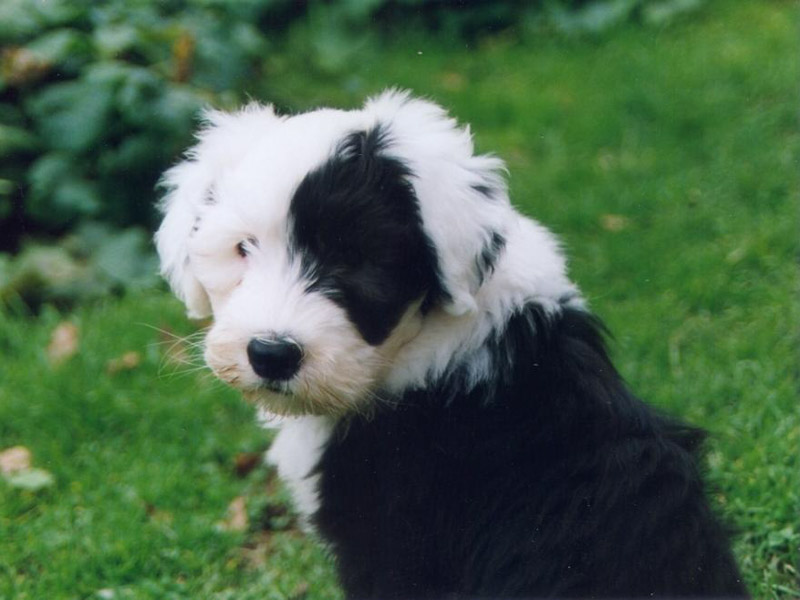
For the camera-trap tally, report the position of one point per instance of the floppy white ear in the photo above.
(462, 197)
(184, 184)
(222, 140)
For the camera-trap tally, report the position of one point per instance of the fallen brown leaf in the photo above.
(64, 343)
(16, 467)
(236, 518)
(162, 517)
(453, 81)
(14, 460)
(126, 362)
(300, 591)
(20, 66)
(256, 549)
(183, 51)
(245, 462)
(614, 223)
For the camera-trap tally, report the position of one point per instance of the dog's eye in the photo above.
(243, 247)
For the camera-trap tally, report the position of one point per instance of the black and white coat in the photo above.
(452, 424)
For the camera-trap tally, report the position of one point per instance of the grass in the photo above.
(144, 463)
(665, 159)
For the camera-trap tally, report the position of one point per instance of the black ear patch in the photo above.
(355, 225)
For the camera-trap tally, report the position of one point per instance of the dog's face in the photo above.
(320, 242)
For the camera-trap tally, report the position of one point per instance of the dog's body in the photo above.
(455, 425)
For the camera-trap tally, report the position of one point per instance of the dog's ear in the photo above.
(462, 196)
(185, 183)
(189, 186)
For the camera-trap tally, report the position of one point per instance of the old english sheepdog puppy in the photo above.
(452, 424)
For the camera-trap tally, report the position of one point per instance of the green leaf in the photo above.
(17, 20)
(49, 273)
(137, 95)
(125, 259)
(62, 46)
(48, 172)
(225, 53)
(333, 46)
(58, 193)
(360, 10)
(662, 13)
(76, 197)
(596, 17)
(73, 116)
(15, 140)
(11, 114)
(5, 271)
(177, 109)
(112, 40)
(23, 18)
(108, 73)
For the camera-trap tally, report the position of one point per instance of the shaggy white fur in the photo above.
(224, 249)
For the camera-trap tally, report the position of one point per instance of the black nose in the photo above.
(274, 358)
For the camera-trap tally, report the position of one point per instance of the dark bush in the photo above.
(97, 98)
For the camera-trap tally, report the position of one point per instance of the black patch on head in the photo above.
(487, 259)
(356, 227)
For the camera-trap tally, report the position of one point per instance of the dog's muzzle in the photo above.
(273, 358)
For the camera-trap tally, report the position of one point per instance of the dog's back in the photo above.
(550, 481)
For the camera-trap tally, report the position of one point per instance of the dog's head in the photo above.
(321, 242)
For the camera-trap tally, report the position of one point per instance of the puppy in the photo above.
(453, 424)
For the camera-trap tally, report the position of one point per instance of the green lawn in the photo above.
(665, 159)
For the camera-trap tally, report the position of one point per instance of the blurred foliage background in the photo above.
(658, 138)
(98, 98)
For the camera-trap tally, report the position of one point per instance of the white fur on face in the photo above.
(265, 293)
(236, 188)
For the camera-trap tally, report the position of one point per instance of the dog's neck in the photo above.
(531, 269)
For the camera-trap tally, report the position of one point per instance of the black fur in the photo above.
(550, 480)
(487, 259)
(355, 225)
